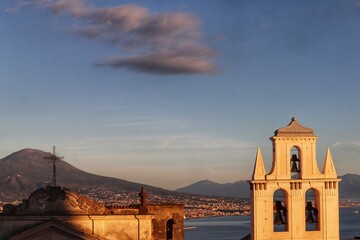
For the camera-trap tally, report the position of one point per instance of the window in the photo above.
(295, 166)
(312, 210)
(280, 215)
(169, 229)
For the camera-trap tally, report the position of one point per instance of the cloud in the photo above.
(151, 123)
(19, 6)
(165, 63)
(175, 142)
(157, 43)
(352, 146)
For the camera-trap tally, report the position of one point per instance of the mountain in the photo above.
(206, 187)
(349, 188)
(24, 171)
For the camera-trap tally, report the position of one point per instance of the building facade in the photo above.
(57, 213)
(295, 200)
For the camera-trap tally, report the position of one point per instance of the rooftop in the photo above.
(294, 129)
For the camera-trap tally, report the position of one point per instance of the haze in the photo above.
(172, 92)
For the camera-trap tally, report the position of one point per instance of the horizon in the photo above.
(199, 181)
(172, 93)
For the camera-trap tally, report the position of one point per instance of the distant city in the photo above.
(196, 206)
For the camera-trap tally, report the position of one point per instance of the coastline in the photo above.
(216, 216)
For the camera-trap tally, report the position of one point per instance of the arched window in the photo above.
(169, 229)
(295, 167)
(280, 215)
(312, 210)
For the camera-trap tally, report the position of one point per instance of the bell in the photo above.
(294, 164)
(280, 213)
(277, 219)
(311, 213)
(310, 218)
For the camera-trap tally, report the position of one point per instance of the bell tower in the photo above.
(295, 200)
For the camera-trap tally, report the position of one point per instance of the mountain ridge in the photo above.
(26, 170)
(210, 188)
(349, 188)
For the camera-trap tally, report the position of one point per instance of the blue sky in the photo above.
(172, 92)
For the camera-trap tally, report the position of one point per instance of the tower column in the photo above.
(296, 213)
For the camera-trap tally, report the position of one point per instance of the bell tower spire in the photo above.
(259, 169)
(329, 169)
(294, 200)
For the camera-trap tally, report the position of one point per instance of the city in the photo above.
(196, 206)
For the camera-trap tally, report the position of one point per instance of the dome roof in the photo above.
(294, 129)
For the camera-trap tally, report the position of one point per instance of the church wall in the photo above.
(115, 227)
(163, 213)
(111, 227)
(13, 224)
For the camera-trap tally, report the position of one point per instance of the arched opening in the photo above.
(169, 229)
(280, 215)
(295, 166)
(312, 210)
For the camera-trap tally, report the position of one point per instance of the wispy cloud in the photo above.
(151, 123)
(157, 43)
(18, 6)
(175, 142)
(353, 146)
(166, 62)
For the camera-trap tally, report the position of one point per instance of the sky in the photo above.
(168, 93)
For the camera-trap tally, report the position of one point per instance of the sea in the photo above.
(236, 227)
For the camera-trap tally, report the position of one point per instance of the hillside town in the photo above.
(196, 206)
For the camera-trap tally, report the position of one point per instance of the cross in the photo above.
(53, 159)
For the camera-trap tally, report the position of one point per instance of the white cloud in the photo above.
(175, 142)
(353, 146)
(19, 6)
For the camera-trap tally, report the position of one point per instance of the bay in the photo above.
(236, 227)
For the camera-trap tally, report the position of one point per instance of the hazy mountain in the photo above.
(26, 170)
(349, 188)
(206, 187)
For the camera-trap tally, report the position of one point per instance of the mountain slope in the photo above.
(206, 187)
(26, 170)
(349, 187)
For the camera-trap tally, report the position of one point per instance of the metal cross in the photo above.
(53, 159)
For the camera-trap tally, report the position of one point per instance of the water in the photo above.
(349, 223)
(234, 228)
(218, 228)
